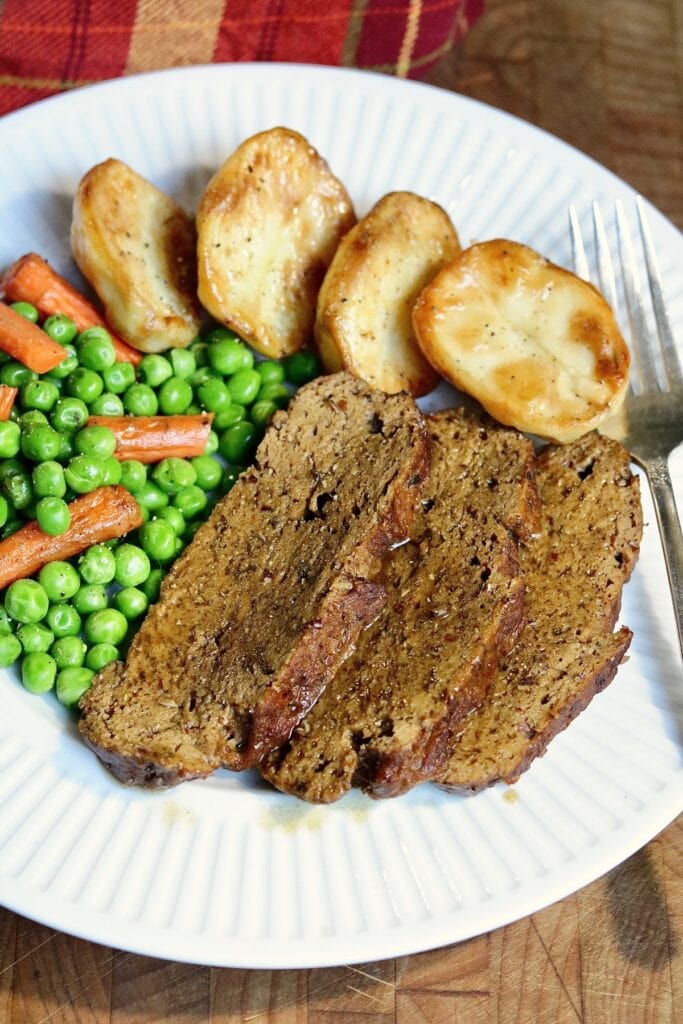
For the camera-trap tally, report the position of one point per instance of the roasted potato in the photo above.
(363, 321)
(536, 345)
(268, 225)
(136, 247)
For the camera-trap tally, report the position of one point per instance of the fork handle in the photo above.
(670, 530)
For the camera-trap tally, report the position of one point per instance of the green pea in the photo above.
(270, 372)
(69, 414)
(175, 394)
(66, 447)
(35, 637)
(213, 394)
(97, 565)
(100, 655)
(53, 516)
(39, 394)
(60, 328)
(244, 386)
(32, 418)
(4, 510)
(111, 471)
(97, 441)
(18, 490)
(200, 350)
(302, 367)
(118, 377)
(230, 477)
(152, 585)
(158, 539)
(107, 404)
(207, 470)
(96, 349)
(218, 332)
(202, 374)
(171, 475)
(133, 475)
(227, 417)
(183, 362)
(192, 529)
(85, 384)
(151, 497)
(131, 602)
(140, 400)
(68, 652)
(27, 310)
(8, 468)
(10, 527)
(154, 370)
(106, 627)
(91, 597)
(59, 580)
(10, 649)
(261, 412)
(48, 480)
(132, 564)
(191, 501)
(67, 366)
(40, 443)
(211, 443)
(226, 354)
(277, 393)
(72, 683)
(15, 374)
(175, 517)
(193, 409)
(26, 601)
(84, 473)
(38, 672)
(63, 620)
(10, 439)
(238, 443)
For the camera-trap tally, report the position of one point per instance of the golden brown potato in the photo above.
(363, 322)
(136, 247)
(269, 223)
(536, 345)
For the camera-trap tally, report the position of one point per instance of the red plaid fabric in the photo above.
(47, 46)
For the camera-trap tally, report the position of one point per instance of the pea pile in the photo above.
(77, 615)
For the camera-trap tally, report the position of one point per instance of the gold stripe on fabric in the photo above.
(409, 38)
(173, 43)
(352, 38)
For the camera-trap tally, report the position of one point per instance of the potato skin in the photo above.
(536, 345)
(136, 248)
(268, 225)
(363, 320)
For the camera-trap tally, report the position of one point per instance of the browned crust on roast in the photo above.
(350, 601)
(596, 681)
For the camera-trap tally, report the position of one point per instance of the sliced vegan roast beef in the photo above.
(575, 571)
(258, 613)
(455, 605)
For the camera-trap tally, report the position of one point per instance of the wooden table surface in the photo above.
(606, 76)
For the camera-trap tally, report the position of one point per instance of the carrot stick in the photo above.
(33, 280)
(24, 341)
(7, 396)
(95, 517)
(152, 438)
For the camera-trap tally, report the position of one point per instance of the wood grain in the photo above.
(607, 78)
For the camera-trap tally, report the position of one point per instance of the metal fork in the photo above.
(651, 422)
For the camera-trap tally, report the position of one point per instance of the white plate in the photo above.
(225, 871)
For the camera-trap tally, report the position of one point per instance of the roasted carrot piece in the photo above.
(7, 396)
(101, 515)
(25, 342)
(152, 438)
(32, 279)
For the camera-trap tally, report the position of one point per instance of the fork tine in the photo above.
(644, 357)
(578, 251)
(671, 361)
(608, 285)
